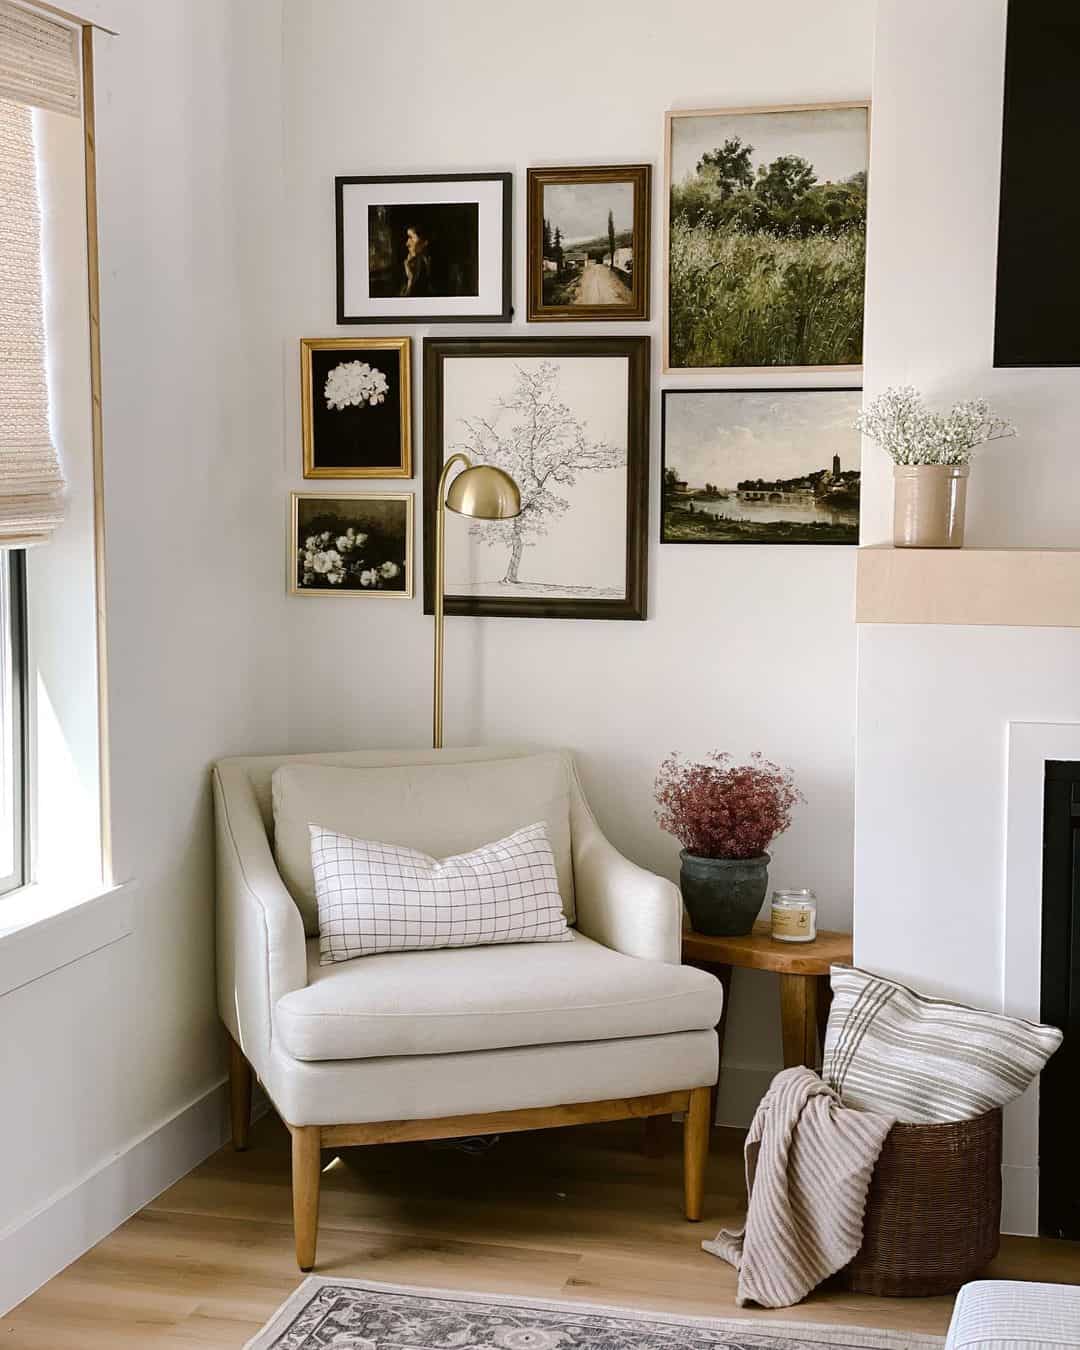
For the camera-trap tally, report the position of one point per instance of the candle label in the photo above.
(791, 922)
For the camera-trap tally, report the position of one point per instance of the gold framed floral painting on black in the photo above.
(355, 407)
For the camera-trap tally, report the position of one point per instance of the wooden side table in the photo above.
(803, 968)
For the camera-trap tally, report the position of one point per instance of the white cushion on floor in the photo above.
(1015, 1315)
(483, 998)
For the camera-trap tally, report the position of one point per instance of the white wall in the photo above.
(934, 703)
(744, 648)
(100, 1056)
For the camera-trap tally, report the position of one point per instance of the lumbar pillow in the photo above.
(443, 808)
(923, 1060)
(385, 898)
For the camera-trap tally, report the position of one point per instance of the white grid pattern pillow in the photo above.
(384, 898)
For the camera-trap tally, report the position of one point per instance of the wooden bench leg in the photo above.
(696, 1150)
(306, 1174)
(240, 1077)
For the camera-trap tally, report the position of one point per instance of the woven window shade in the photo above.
(39, 60)
(31, 484)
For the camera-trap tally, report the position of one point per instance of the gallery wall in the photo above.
(745, 648)
(112, 1063)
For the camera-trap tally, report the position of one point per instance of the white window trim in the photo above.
(42, 930)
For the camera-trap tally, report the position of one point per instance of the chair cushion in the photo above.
(1015, 1315)
(483, 998)
(377, 897)
(440, 809)
(923, 1060)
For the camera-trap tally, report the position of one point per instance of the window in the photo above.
(13, 761)
(51, 721)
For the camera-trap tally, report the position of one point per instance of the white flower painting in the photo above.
(358, 544)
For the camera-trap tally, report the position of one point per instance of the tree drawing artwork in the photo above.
(536, 438)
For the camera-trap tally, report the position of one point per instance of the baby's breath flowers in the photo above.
(911, 433)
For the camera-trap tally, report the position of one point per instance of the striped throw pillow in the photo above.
(923, 1060)
(383, 898)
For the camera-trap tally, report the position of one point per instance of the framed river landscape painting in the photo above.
(766, 237)
(760, 466)
(567, 419)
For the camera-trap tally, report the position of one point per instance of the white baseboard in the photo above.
(1020, 1200)
(37, 1247)
(741, 1088)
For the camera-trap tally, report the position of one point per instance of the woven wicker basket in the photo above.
(933, 1215)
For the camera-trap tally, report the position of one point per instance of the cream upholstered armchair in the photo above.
(436, 1044)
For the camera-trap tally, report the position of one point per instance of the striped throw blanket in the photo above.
(809, 1160)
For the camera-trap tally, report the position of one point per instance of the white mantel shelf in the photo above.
(1024, 588)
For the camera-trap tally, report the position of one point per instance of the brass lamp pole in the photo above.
(485, 493)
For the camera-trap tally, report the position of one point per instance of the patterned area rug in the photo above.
(328, 1314)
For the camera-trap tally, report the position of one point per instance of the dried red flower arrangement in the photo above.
(717, 809)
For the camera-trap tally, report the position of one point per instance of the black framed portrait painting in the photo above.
(354, 400)
(424, 248)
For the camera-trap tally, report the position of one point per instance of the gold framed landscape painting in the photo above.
(354, 400)
(766, 237)
(588, 242)
(351, 543)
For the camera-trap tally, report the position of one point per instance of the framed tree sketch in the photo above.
(766, 237)
(588, 242)
(351, 543)
(354, 402)
(424, 248)
(567, 418)
(760, 466)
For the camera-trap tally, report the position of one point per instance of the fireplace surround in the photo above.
(1059, 1163)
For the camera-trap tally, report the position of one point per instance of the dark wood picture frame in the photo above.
(506, 310)
(640, 177)
(399, 399)
(767, 392)
(636, 351)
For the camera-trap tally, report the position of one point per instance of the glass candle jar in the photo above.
(794, 916)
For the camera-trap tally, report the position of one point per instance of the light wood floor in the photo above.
(570, 1214)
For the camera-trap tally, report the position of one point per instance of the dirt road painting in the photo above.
(588, 243)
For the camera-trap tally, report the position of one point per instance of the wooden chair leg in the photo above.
(696, 1150)
(240, 1077)
(306, 1174)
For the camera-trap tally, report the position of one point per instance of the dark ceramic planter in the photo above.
(723, 896)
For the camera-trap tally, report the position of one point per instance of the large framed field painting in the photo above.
(766, 237)
(355, 402)
(423, 248)
(568, 419)
(760, 466)
(588, 242)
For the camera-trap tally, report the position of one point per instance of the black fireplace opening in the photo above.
(1059, 1158)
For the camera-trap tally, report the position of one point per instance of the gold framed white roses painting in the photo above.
(351, 543)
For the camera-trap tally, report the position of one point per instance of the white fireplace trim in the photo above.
(1030, 745)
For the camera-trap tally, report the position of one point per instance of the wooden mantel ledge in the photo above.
(1004, 587)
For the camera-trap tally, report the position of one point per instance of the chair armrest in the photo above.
(260, 935)
(625, 907)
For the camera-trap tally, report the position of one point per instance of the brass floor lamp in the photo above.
(485, 493)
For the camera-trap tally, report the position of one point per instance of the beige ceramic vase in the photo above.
(928, 505)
